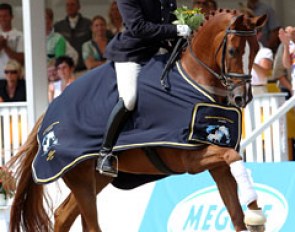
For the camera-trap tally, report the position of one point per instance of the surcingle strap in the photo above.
(157, 161)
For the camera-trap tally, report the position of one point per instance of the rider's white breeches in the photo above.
(127, 75)
(247, 192)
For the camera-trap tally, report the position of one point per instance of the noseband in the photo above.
(225, 77)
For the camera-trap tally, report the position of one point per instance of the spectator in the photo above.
(75, 28)
(65, 71)
(115, 19)
(205, 5)
(93, 50)
(270, 30)
(55, 42)
(13, 88)
(262, 68)
(282, 71)
(11, 40)
(51, 71)
(282, 74)
(287, 37)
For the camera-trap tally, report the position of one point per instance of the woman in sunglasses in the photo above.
(13, 88)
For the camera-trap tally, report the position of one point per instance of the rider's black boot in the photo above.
(107, 163)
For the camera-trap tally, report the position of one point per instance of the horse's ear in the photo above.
(259, 21)
(238, 20)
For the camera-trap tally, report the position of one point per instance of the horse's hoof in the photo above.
(256, 228)
(254, 218)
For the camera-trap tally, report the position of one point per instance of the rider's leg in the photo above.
(127, 74)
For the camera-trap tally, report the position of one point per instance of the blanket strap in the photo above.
(156, 160)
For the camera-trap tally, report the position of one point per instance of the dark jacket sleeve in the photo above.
(148, 19)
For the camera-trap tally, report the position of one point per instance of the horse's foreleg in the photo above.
(82, 182)
(228, 192)
(254, 216)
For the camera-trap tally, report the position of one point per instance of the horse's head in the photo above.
(221, 54)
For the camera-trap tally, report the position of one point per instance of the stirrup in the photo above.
(107, 170)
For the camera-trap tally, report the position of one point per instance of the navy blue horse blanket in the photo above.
(185, 116)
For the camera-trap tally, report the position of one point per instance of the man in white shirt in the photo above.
(11, 40)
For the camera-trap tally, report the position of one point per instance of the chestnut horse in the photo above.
(213, 59)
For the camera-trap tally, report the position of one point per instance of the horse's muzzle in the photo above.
(240, 96)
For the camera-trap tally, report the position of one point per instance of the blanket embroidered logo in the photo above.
(216, 124)
(216, 134)
(49, 141)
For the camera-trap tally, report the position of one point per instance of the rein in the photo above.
(224, 77)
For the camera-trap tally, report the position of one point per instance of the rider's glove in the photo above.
(183, 30)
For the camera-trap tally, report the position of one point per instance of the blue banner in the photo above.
(191, 203)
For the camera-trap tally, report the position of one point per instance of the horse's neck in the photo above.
(200, 74)
(204, 45)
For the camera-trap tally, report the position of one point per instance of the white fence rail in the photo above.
(266, 129)
(13, 128)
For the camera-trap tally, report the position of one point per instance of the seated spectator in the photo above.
(283, 68)
(65, 71)
(282, 74)
(205, 5)
(93, 50)
(75, 28)
(13, 89)
(262, 68)
(55, 42)
(51, 71)
(115, 20)
(287, 38)
(270, 30)
(11, 39)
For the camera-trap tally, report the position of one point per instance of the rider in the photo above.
(147, 26)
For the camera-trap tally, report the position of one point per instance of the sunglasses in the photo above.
(10, 71)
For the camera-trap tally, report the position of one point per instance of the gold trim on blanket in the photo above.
(186, 78)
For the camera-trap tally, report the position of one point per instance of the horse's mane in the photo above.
(225, 12)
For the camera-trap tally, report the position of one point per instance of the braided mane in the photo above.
(218, 12)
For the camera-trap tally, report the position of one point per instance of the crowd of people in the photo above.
(80, 42)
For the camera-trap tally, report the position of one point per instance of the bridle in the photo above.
(224, 77)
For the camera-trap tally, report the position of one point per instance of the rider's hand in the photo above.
(183, 30)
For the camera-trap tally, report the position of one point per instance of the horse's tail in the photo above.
(28, 212)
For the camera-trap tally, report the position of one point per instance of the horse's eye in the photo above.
(232, 51)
